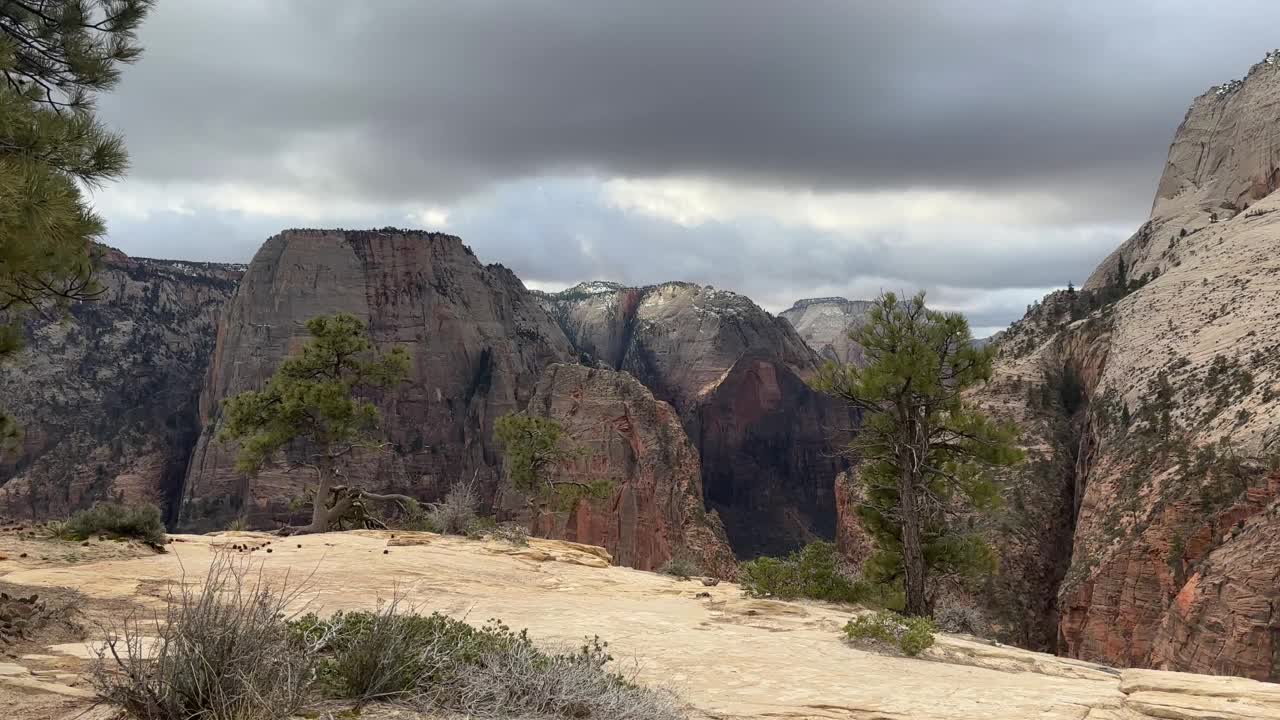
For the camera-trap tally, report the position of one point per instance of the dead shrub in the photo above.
(222, 651)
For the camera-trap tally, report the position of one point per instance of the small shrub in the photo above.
(142, 522)
(683, 564)
(435, 661)
(480, 527)
(814, 572)
(456, 513)
(961, 619)
(885, 629)
(511, 532)
(239, 524)
(223, 652)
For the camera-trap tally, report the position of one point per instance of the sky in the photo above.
(985, 152)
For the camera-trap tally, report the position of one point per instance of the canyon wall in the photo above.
(619, 433)
(736, 376)
(1159, 382)
(476, 338)
(108, 397)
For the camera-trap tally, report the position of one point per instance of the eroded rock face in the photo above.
(735, 375)
(477, 341)
(825, 323)
(1165, 425)
(108, 398)
(636, 443)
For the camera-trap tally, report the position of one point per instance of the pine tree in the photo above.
(313, 409)
(923, 450)
(55, 56)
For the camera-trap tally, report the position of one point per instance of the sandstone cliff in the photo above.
(736, 376)
(825, 324)
(108, 397)
(477, 340)
(635, 442)
(1156, 390)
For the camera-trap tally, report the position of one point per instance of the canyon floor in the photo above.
(727, 656)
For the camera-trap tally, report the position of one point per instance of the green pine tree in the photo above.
(55, 57)
(314, 409)
(924, 451)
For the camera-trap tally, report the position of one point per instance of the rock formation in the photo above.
(724, 655)
(1153, 393)
(478, 341)
(636, 443)
(108, 398)
(825, 324)
(736, 376)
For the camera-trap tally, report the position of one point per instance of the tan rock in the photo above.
(726, 655)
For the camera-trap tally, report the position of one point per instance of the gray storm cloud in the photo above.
(478, 106)
(396, 100)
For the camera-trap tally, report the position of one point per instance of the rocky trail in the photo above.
(726, 655)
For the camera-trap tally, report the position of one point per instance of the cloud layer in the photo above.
(771, 147)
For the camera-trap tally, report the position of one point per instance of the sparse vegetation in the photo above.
(223, 651)
(535, 448)
(682, 564)
(962, 619)
(435, 661)
(228, 649)
(456, 512)
(814, 572)
(887, 630)
(141, 522)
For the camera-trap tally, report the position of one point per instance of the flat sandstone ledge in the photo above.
(725, 654)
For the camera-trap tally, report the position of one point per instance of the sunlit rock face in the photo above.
(736, 376)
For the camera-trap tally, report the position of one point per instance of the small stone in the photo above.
(384, 552)
(22, 555)
(710, 582)
(268, 549)
(299, 544)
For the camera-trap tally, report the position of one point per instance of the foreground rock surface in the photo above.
(726, 655)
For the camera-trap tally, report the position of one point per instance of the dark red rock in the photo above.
(627, 437)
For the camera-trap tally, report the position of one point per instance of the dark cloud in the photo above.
(394, 101)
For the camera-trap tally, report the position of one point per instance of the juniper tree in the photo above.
(55, 57)
(924, 450)
(315, 408)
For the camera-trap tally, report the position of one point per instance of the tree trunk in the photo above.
(320, 512)
(913, 564)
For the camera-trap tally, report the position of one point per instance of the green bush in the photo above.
(813, 572)
(142, 521)
(683, 564)
(910, 635)
(492, 671)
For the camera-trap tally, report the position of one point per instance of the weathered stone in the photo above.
(636, 443)
(736, 376)
(1148, 400)
(825, 324)
(107, 398)
(477, 341)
